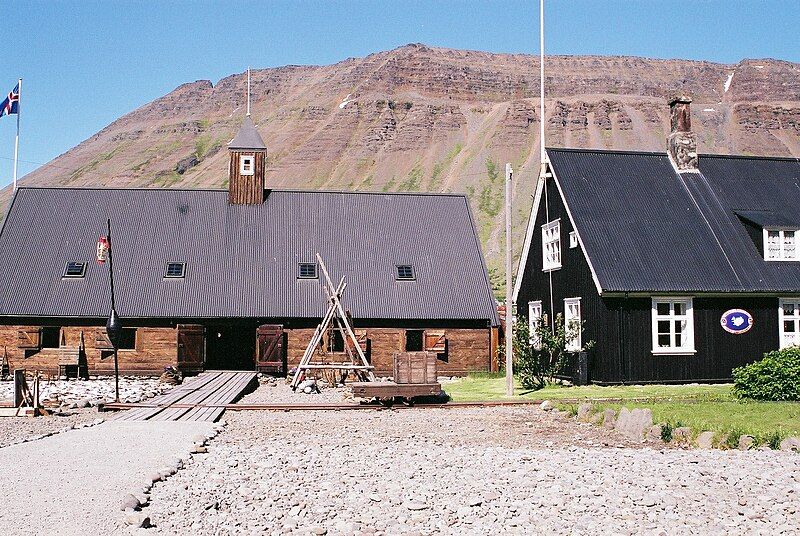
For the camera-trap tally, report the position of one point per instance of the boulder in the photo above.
(791, 444)
(546, 405)
(705, 440)
(137, 520)
(746, 442)
(634, 424)
(609, 418)
(585, 412)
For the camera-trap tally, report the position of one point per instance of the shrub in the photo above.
(537, 363)
(775, 377)
(732, 440)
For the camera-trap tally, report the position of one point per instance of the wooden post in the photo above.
(509, 306)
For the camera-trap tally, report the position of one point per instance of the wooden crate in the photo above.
(415, 368)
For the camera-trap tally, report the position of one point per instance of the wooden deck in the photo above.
(202, 398)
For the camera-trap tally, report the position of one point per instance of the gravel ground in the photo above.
(16, 429)
(73, 483)
(277, 391)
(467, 471)
(84, 393)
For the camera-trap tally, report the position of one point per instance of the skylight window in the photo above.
(175, 270)
(75, 269)
(405, 272)
(307, 270)
(780, 245)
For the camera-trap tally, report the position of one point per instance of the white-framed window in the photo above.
(789, 322)
(572, 323)
(534, 316)
(247, 165)
(781, 245)
(673, 326)
(573, 240)
(551, 245)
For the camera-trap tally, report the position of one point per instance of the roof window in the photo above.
(780, 245)
(175, 270)
(405, 272)
(307, 270)
(75, 270)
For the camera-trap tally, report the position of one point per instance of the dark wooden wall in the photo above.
(621, 327)
(246, 189)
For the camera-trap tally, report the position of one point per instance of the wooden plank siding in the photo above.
(246, 189)
(622, 327)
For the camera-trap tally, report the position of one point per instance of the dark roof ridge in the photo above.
(281, 190)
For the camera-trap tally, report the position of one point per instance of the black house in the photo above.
(680, 266)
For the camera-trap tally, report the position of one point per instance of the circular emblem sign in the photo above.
(736, 321)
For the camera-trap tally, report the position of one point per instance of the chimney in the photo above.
(682, 143)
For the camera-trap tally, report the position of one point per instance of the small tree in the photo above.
(540, 355)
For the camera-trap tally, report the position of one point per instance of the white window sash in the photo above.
(570, 305)
(787, 339)
(247, 165)
(534, 315)
(782, 247)
(687, 333)
(551, 245)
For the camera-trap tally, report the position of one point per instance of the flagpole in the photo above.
(16, 140)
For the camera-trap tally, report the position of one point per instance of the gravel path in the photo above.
(467, 471)
(72, 483)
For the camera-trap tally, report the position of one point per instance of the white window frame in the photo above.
(573, 240)
(247, 164)
(570, 304)
(534, 316)
(795, 319)
(551, 243)
(688, 334)
(782, 239)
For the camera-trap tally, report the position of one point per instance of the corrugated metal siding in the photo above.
(241, 261)
(647, 228)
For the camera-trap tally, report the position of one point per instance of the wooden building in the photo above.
(680, 266)
(228, 279)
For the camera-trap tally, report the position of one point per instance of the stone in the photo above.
(609, 418)
(585, 412)
(682, 435)
(546, 405)
(137, 520)
(654, 432)
(746, 442)
(197, 449)
(634, 424)
(83, 403)
(475, 501)
(416, 505)
(129, 501)
(319, 531)
(705, 440)
(156, 477)
(790, 444)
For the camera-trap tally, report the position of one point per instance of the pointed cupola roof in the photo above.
(247, 137)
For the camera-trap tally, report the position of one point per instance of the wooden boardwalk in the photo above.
(202, 398)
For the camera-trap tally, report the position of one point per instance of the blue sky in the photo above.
(86, 63)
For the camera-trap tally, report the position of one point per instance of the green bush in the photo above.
(776, 377)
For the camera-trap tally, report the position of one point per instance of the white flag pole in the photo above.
(248, 91)
(16, 140)
(541, 80)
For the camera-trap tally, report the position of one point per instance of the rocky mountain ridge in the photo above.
(419, 118)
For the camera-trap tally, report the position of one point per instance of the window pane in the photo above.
(663, 327)
(788, 326)
(788, 309)
(680, 308)
(678, 340)
(663, 341)
(662, 309)
(679, 326)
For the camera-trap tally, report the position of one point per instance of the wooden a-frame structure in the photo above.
(337, 316)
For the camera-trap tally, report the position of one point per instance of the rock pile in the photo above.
(72, 394)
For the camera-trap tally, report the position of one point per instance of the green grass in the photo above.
(700, 407)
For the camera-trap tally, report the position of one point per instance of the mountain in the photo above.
(432, 119)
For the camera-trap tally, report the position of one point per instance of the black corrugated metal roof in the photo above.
(647, 228)
(242, 260)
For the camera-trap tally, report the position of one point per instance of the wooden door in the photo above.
(269, 349)
(191, 347)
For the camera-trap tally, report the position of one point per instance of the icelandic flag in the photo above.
(11, 104)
